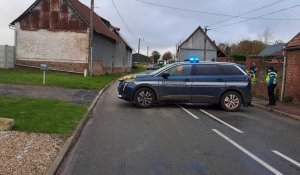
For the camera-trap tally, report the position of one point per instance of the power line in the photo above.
(265, 6)
(214, 14)
(259, 16)
(124, 20)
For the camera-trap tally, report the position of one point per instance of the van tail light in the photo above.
(249, 78)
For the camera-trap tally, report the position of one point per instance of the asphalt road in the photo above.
(185, 139)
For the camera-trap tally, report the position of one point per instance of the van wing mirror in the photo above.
(165, 74)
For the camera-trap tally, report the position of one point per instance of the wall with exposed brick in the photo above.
(60, 66)
(292, 86)
(44, 45)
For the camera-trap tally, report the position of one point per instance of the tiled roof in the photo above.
(273, 50)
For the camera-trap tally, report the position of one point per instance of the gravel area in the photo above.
(78, 96)
(27, 153)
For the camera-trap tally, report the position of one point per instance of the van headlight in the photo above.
(128, 78)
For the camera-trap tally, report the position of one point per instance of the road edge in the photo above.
(72, 139)
(277, 112)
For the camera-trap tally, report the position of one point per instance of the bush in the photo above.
(135, 67)
(287, 99)
(238, 57)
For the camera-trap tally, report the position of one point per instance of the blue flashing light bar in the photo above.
(194, 60)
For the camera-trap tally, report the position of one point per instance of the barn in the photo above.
(56, 32)
(194, 46)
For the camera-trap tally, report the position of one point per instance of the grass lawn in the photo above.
(42, 115)
(66, 80)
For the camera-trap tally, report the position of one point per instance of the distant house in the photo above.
(141, 59)
(292, 78)
(56, 32)
(193, 46)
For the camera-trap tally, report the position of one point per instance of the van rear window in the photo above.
(231, 70)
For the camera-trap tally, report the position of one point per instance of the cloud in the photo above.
(161, 28)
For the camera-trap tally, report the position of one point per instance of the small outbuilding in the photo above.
(194, 46)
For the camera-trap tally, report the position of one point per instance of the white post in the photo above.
(44, 77)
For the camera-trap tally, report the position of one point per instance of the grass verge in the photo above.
(42, 115)
(66, 80)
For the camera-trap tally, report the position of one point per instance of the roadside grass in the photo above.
(42, 115)
(66, 80)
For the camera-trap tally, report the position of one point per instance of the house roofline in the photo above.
(209, 39)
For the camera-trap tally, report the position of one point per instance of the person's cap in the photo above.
(271, 68)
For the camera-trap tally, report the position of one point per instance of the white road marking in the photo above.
(191, 114)
(221, 121)
(286, 157)
(249, 153)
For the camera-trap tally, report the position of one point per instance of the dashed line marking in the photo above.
(286, 157)
(191, 114)
(269, 167)
(221, 121)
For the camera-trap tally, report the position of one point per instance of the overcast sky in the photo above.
(161, 28)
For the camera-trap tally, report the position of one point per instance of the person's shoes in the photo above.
(271, 105)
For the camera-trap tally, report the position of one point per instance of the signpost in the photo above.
(44, 68)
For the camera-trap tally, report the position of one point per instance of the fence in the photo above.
(7, 56)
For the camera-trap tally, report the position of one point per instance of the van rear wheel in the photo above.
(231, 101)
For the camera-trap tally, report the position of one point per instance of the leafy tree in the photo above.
(167, 56)
(155, 56)
(247, 47)
(226, 47)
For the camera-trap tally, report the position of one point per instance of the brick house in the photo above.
(292, 81)
(56, 32)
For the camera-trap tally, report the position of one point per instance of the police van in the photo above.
(225, 84)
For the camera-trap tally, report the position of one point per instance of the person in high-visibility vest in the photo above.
(271, 81)
(252, 74)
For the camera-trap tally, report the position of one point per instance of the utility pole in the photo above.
(139, 50)
(148, 59)
(91, 35)
(147, 51)
(205, 40)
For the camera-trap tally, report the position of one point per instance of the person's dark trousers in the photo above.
(272, 99)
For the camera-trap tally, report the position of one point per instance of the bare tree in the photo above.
(266, 36)
(279, 41)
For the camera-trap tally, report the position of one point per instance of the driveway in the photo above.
(185, 139)
(79, 96)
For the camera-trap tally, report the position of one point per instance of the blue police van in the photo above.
(225, 84)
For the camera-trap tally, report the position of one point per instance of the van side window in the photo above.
(208, 70)
(180, 70)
